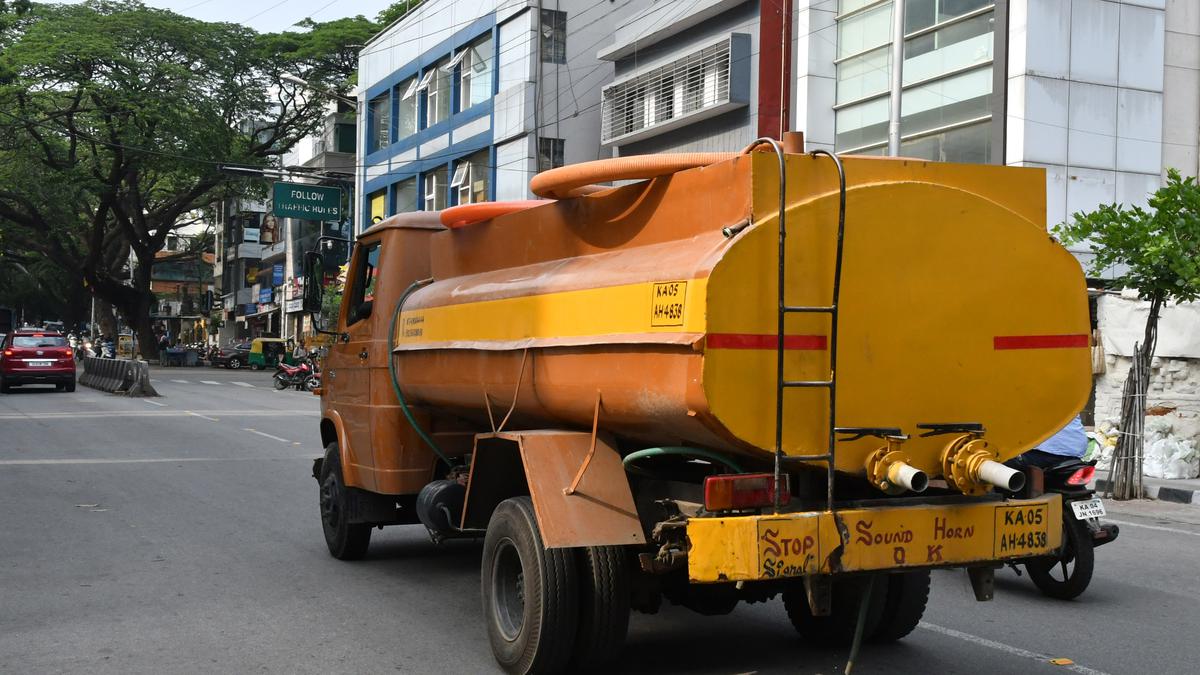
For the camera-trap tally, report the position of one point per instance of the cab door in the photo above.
(348, 361)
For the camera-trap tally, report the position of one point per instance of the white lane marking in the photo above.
(1008, 649)
(242, 384)
(147, 460)
(155, 413)
(161, 405)
(1160, 528)
(274, 438)
(181, 381)
(206, 417)
(209, 382)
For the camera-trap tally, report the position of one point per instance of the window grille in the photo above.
(696, 82)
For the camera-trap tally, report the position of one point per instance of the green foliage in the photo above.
(1159, 246)
(114, 118)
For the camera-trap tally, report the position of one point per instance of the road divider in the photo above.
(128, 377)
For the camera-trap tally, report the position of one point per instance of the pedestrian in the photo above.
(299, 353)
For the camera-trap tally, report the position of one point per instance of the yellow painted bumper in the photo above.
(872, 538)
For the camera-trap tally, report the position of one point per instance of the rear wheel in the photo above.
(346, 540)
(255, 366)
(71, 385)
(5, 387)
(530, 593)
(1067, 576)
(234, 364)
(604, 595)
(903, 605)
(838, 627)
(280, 381)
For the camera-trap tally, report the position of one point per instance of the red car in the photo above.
(36, 357)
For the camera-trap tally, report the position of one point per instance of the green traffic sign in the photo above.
(309, 202)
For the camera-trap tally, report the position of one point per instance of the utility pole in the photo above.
(897, 78)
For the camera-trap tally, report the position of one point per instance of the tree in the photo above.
(1159, 249)
(114, 118)
(395, 11)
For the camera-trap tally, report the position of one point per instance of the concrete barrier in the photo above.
(127, 377)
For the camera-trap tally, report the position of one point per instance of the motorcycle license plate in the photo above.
(1092, 508)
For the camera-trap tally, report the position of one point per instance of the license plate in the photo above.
(1022, 529)
(40, 364)
(1092, 508)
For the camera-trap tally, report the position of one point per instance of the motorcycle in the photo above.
(1067, 575)
(292, 376)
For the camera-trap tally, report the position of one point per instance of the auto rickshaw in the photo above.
(266, 352)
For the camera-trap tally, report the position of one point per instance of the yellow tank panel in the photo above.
(956, 306)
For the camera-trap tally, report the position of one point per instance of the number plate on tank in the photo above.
(1022, 530)
(1091, 508)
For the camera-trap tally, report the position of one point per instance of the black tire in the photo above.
(604, 595)
(5, 387)
(71, 386)
(837, 629)
(280, 381)
(1067, 576)
(234, 364)
(346, 541)
(255, 366)
(903, 605)
(530, 593)
(59, 387)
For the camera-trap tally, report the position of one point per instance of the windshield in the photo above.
(36, 341)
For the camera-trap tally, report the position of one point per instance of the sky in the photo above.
(269, 16)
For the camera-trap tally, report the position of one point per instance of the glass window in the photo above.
(865, 31)
(470, 179)
(956, 45)
(550, 153)
(864, 75)
(380, 116)
(343, 138)
(436, 85)
(366, 276)
(435, 189)
(35, 341)
(406, 196)
(475, 72)
(847, 6)
(378, 202)
(948, 9)
(406, 117)
(554, 36)
(965, 144)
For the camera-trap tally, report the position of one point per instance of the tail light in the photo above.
(8, 352)
(743, 491)
(70, 353)
(1083, 476)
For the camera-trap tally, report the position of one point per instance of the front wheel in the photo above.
(1066, 576)
(280, 381)
(346, 540)
(530, 593)
(234, 364)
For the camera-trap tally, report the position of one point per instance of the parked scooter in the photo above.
(292, 376)
(1068, 574)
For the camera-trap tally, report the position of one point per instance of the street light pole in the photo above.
(893, 146)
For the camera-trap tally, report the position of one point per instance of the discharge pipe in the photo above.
(907, 477)
(1001, 476)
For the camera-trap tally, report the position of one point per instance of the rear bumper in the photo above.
(758, 547)
(19, 376)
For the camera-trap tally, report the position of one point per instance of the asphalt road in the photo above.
(181, 535)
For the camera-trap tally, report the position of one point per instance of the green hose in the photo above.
(684, 451)
(396, 382)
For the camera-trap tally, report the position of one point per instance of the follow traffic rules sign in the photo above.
(309, 202)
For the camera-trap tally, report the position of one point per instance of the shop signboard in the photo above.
(296, 305)
(266, 295)
(277, 274)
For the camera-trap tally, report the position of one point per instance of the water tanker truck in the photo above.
(744, 376)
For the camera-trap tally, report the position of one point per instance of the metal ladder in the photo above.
(829, 384)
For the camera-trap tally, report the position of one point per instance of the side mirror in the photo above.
(314, 282)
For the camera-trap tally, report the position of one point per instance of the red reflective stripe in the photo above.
(768, 341)
(1039, 341)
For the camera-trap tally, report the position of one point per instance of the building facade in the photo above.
(465, 101)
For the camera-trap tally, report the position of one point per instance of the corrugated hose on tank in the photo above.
(396, 381)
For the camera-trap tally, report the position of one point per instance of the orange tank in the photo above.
(659, 301)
